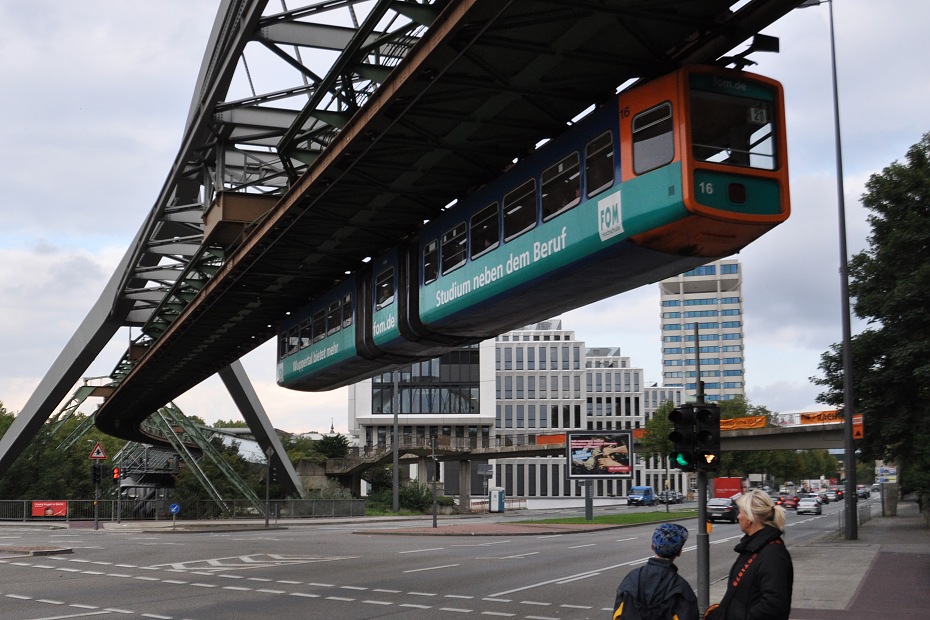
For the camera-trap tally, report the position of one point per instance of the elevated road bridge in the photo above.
(324, 132)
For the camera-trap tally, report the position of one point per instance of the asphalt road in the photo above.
(333, 571)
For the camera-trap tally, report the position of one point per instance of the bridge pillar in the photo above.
(464, 486)
(423, 470)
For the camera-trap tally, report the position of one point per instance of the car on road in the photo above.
(673, 497)
(809, 505)
(790, 502)
(722, 509)
(832, 496)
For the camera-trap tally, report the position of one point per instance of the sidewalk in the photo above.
(885, 573)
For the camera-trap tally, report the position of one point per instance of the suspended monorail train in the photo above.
(666, 177)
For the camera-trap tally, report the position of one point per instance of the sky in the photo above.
(97, 93)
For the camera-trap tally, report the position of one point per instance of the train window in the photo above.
(306, 330)
(738, 131)
(292, 340)
(561, 187)
(453, 248)
(333, 318)
(347, 311)
(520, 210)
(384, 289)
(319, 325)
(653, 139)
(599, 164)
(485, 230)
(430, 261)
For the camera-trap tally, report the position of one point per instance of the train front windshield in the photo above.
(733, 129)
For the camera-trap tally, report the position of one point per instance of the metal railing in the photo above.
(160, 509)
(863, 514)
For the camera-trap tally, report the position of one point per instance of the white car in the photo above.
(809, 505)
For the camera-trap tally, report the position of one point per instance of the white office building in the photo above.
(540, 381)
(548, 382)
(709, 297)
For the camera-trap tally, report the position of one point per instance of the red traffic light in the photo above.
(116, 473)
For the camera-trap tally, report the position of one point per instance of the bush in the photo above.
(412, 497)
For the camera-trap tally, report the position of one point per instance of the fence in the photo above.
(160, 509)
(863, 514)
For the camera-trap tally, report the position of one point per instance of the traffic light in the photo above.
(682, 437)
(95, 474)
(707, 437)
(116, 475)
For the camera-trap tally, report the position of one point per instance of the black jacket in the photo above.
(654, 583)
(760, 583)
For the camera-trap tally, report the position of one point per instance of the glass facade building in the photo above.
(709, 299)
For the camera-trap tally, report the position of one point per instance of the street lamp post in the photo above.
(395, 449)
(849, 448)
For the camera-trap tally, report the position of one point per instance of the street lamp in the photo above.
(849, 448)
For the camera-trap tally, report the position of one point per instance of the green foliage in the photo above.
(230, 424)
(412, 497)
(317, 451)
(333, 446)
(655, 442)
(890, 283)
(333, 490)
(43, 471)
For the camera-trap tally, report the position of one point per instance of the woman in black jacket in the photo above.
(762, 577)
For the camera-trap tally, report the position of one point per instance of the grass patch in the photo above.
(631, 518)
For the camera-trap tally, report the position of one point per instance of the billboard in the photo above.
(599, 455)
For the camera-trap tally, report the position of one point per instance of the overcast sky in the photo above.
(96, 93)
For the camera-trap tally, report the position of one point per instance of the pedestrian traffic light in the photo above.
(115, 475)
(682, 456)
(95, 473)
(707, 437)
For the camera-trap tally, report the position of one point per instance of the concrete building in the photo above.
(538, 380)
(548, 382)
(709, 296)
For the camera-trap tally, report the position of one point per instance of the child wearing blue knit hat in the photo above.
(655, 589)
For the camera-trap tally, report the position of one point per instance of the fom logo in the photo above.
(609, 217)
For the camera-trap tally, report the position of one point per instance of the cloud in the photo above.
(100, 91)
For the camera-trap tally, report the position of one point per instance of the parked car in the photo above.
(672, 497)
(722, 509)
(809, 505)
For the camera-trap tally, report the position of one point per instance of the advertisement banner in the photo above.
(599, 455)
(50, 508)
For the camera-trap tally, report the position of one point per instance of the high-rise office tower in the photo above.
(710, 298)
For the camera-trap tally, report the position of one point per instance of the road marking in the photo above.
(422, 550)
(420, 570)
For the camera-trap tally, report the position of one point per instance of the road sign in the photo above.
(97, 452)
(174, 509)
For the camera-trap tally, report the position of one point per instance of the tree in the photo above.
(655, 442)
(890, 285)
